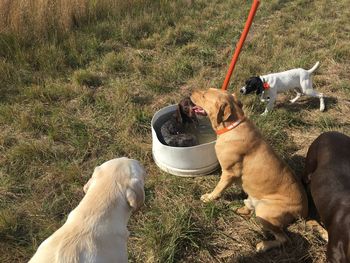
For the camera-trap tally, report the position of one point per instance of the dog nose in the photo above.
(242, 90)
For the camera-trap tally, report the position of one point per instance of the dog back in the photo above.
(328, 171)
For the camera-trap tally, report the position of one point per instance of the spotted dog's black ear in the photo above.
(259, 86)
(259, 90)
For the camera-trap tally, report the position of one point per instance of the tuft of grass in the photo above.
(328, 123)
(116, 62)
(87, 78)
(180, 36)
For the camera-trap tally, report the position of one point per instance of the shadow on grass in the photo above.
(142, 100)
(297, 163)
(294, 251)
(238, 195)
(280, 4)
(307, 103)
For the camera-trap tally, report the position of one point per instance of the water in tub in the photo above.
(203, 130)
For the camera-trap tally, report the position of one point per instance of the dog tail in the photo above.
(311, 70)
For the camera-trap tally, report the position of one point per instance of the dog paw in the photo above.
(261, 247)
(244, 211)
(207, 198)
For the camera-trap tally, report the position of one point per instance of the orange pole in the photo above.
(241, 42)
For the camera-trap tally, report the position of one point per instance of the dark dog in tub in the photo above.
(173, 130)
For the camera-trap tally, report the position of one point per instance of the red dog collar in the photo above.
(266, 86)
(230, 127)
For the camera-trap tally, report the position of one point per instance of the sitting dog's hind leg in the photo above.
(296, 97)
(246, 210)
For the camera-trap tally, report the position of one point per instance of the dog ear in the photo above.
(237, 101)
(135, 194)
(178, 114)
(259, 86)
(259, 90)
(224, 112)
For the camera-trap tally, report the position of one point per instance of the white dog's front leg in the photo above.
(269, 105)
(264, 97)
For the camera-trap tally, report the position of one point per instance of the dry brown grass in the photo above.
(43, 17)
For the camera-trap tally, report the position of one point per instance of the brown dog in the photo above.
(273, 191)
(328, 172)
(173, 130)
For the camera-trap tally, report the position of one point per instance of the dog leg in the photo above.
(322, 105)
(280, 236)
(225, 181)
(314, 93)
(269, 105)
(321, 231)
(263, 97)
(296, 97)
(244, 211)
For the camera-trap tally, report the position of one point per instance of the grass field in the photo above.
(74, 95)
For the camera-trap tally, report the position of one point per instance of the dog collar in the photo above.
(230, 127)
(266, 86)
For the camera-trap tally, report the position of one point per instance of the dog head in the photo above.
(185, 113)
(115, 178)
(253, 84)
(219, 105)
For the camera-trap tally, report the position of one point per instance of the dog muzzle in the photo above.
(200, 111)
(243, 90)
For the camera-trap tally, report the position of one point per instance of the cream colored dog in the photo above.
(96, 230)
(245, 158)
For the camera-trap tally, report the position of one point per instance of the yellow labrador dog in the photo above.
(96, 230)
(274, 193)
